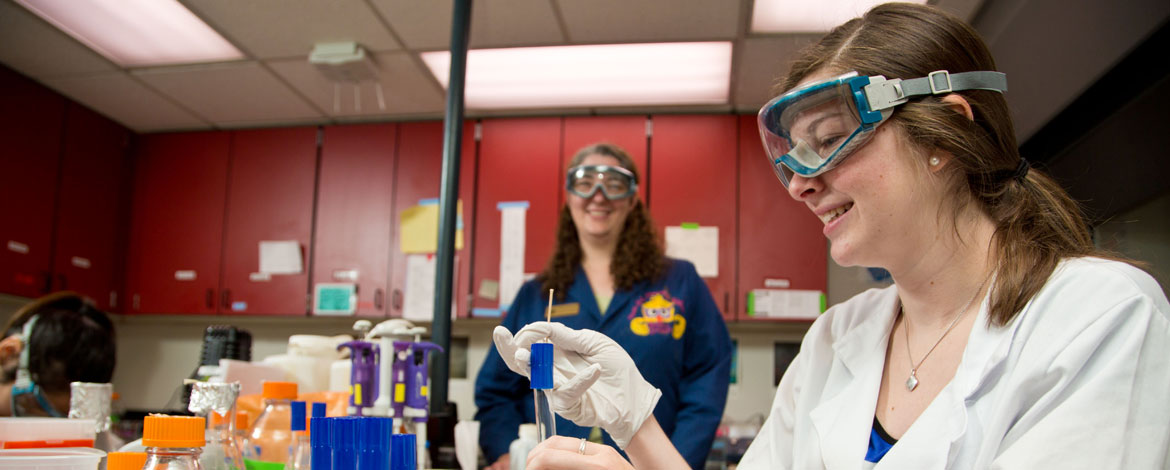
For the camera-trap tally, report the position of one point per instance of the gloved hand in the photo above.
(595, 383)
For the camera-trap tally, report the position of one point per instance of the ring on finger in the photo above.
(581, 449)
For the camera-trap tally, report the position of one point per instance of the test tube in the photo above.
(541, 374)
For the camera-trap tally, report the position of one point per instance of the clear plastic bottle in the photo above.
(173, 442)
(125, 460)
(221, 452)
(518, 451)
(269, 442)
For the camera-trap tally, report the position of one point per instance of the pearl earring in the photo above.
(934, 161)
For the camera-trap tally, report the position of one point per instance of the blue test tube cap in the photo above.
(344, 437)
(541, 362)
(318, 410)
(320, 440)
(374, 433)
(402, 452)
(298, 416)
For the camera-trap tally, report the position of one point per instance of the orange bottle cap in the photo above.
(243, 419)
(173, 431)
(280, 390)
(125, 460)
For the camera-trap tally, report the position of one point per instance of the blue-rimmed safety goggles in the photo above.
(614, 182)
(811, 129)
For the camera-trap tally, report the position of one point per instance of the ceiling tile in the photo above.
(39, 50)
(406, 88)
(426, 25)
(760, 62)
(124, 99)
(604, 21)
(269, 29)
(235, 92)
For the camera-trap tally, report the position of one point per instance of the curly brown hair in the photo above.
(638, 258)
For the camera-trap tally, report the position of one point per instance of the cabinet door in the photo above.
(31, 119)
(270, 199)
(692, 180)
(627, 132)
(91, 208)
(354, 196)
(784, 242)
(176, 228)
(419, 177)
(519, 160)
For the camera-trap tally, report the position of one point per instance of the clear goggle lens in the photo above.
(613, 182)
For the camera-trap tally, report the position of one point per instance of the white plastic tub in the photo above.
(64, 458)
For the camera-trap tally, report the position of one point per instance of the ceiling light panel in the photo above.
(594, 75)
(137, 33)
(808, 16)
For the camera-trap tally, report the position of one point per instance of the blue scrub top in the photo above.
(672, 329)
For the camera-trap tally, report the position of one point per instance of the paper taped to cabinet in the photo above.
(785, 303)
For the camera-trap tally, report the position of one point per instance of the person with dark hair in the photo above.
(609, 274)
(1007, 339)
(55, 340)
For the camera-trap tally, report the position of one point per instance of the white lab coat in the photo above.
(1079, 379)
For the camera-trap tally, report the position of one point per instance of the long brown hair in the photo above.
(1036, 222)
(638, 257)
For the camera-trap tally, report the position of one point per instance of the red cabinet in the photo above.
(355, 193)
(519, 160)
(627, 132)
(693, 180)
(31, 124)
(91, 209)
(177, 220)
(419, 177)
(780, 239)
(270, 198)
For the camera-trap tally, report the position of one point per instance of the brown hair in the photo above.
(1036, 222)
(638, 257)
(72, 341)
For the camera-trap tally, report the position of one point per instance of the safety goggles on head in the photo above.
(811, 129)
(614, 182)
(28, 399)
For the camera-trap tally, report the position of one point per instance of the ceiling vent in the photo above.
(346, 62)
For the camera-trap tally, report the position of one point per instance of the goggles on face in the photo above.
(27, 397)
(811, 129)
(614, 182)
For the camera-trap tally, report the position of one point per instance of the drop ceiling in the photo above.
(1050, 49)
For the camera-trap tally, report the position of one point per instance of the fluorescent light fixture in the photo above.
(137, 33)
(595, 75)
(808, 16)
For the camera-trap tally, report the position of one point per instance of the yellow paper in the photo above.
(419, 228)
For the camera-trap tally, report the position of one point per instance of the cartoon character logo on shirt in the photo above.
(656, 313)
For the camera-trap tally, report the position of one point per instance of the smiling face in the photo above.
(879, 206)
(597, 217)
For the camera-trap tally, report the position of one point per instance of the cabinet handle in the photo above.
(396, 300)
(378, 298)
(210, 298)
(225, 298)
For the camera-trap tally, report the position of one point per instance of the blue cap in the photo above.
(402, 452)
(344, 434)
(318, 410)
(541, 362)
(374, 443)
(298, 416)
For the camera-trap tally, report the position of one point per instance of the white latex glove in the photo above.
(595, 383)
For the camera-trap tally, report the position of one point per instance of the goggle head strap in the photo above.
(23, 377)
(883, 94)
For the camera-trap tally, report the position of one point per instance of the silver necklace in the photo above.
(912, 381)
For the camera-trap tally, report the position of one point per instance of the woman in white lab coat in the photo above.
(1007, 339)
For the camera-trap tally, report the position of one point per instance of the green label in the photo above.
(690, 225)
(250, 464)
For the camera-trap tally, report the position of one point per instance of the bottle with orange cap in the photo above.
(269, 442)
(173, 442)
(125, 460)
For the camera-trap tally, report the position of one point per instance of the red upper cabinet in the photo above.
(91, 209)
(355, 192)
(270, 198)
(418, 178)
(176, 228)
(31, 123)
(693, 180)
(782, 237)
(519, 161)
(627, 132)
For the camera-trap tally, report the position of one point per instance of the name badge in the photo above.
(565, 310)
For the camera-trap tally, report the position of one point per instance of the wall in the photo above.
(1142, 233)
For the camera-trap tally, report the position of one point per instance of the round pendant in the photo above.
(912, 382)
